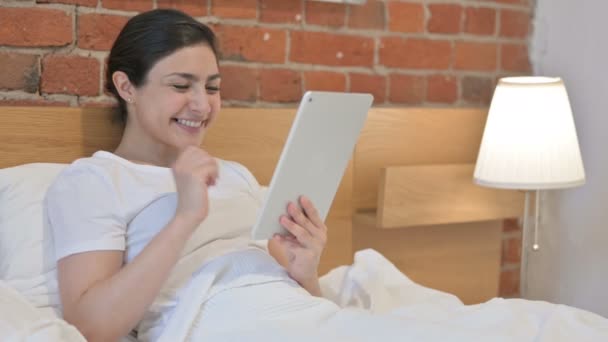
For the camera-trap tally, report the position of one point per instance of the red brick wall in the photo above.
(414, 52)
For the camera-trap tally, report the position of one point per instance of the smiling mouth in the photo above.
(192, 123)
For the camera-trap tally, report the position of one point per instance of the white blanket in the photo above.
(376, 302)
(21, 321)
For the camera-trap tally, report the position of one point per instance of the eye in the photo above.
(212, 89)
(181, 87)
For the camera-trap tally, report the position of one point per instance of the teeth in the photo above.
(189, 123)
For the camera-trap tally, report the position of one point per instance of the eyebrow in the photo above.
(192, 77)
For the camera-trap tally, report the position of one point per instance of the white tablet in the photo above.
(319, 145)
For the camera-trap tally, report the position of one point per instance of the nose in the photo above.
(199, 101)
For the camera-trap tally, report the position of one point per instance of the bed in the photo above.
(456, 251)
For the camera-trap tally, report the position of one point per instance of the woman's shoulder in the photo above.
(86, 172)
(108, 165)
(88, 166)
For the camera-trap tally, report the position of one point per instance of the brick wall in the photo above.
(414, 52)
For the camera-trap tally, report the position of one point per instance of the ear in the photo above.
(123, 85)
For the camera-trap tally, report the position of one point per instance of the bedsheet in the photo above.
(370, 300)
(21, 321)
(373, 301)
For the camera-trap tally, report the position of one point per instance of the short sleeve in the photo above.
(83, 212)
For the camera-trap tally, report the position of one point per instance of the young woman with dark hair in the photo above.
(120, 264)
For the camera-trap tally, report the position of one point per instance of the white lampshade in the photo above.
(529, 141)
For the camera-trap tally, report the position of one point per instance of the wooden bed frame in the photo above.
(457, 251)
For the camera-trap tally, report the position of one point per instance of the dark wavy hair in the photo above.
(148, 37)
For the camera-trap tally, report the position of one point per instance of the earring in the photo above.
(130, 100)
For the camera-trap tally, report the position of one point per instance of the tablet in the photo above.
(319, 145)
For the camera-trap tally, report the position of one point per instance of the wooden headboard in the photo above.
(53, 134)
(402, 194)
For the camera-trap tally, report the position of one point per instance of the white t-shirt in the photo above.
(105, 202)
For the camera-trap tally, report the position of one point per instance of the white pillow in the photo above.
(26, 252)
(20, 321)
(29, 298)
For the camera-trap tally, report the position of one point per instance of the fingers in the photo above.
(311, 212)
(298, 217)
(207, 173)
(199, 163)
(192, 156)
(287, 241)
(303, 227)
(302, 235)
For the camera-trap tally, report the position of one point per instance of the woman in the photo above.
(120, 262)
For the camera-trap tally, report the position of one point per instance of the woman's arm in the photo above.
(105, 301)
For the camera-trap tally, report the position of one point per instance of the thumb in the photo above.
(279, 240)
(283, 243)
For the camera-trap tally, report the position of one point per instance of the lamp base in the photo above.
(523, 276)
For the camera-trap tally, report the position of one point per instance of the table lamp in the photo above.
(529, 143)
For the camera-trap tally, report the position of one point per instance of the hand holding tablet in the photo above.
(314, 158)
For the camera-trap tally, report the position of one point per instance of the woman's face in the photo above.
(179, 99)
